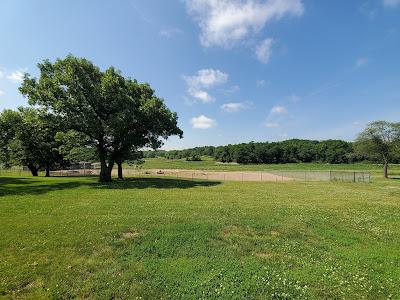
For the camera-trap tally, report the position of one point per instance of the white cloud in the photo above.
(264, 50)
(391, 3)
(1, 92)
(202, 122)
(204, 80)
(271, 125)
(236, 106)
(261, 83)
(361, 61)
(228, 22)
(233, 107)
(278, 110)
(207, 78)
(169, 32)
(201, 95)
(16, 76)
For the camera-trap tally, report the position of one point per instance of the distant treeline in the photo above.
(290, 151)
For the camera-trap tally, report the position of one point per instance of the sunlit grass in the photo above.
(170, 238)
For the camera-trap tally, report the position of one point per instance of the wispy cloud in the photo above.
(228, 22)
(264, 50)
(1, 92)
(261, 83)
(235, 106)
(169, 32)
(278, 109)
(391, 3)
(294, 98)
(361, 61)
(16, 76)
(276, 116)
(368, 9)
(325, 88)
(202, 122)
(199, 84)
(271, 125)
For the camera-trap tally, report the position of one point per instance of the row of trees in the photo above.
(379, 142)
(78, 109)
(290, 151)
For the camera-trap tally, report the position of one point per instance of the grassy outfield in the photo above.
(209, 164)
(170, 238)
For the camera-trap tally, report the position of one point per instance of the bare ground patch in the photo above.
(130, 234)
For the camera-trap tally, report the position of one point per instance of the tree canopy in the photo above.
(380, 141)
(117, 115)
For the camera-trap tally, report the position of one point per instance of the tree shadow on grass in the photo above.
(157, 183)
(30, 186)
(33, 186)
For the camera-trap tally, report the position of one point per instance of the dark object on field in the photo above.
(160, 172)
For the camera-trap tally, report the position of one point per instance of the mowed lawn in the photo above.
(172, 239)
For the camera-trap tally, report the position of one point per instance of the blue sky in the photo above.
(234, 71)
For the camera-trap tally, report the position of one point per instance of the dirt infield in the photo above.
(182, 173)
(215, 175)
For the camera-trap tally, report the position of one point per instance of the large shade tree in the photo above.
(380, 141)
(116, 115)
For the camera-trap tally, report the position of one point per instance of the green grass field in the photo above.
(209, 164)
(172, 239)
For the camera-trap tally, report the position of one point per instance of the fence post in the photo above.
(330, 175)
(354, 176)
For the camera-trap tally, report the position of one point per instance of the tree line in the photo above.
(379, 142)
(289, 151)
(78, 111)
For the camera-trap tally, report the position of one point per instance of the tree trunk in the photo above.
(33, 170)
(105, 171)
(47, 171)
(120, 176)
(385, 169)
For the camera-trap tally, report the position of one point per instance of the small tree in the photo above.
(380, 142)
(9, 120)
(34, 143)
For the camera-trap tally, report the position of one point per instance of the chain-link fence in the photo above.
(15, 171)
(345, 176)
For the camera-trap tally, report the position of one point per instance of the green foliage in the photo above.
(380, 142)
(290, 151)
(118, 116)
(194, 157)
(75, 147)
(9, 121)
(30, 136)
